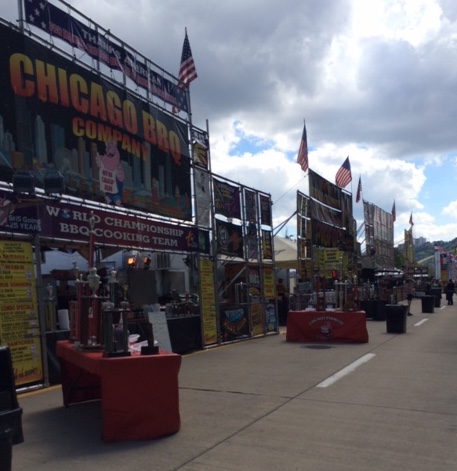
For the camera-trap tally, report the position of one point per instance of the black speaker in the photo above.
(24, 182)
(53, 183)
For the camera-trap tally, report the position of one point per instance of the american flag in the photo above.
(411, 220)
(394, 213)
(187, 71)
(343, 176)
(302, 157)
(359, 190)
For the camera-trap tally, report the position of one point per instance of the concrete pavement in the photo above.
(259, 405)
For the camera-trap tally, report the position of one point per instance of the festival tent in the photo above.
(285, 253)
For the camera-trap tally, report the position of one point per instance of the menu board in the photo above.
(19, 323)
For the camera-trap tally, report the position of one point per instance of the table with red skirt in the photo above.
(139, 394)
(327, 326)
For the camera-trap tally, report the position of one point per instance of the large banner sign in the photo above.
(229, 239)
(108, 144)
(324, 235)
(59, 220)
(379, 234)
(250, 205)
(265, 210)
(202, 196)
(379, 223)
(226, 199)
(96, 43)
(324, 191)
(325, 213)
(200, 148)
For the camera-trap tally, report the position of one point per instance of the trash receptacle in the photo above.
(379, 310)
(428, 304)
(396, 318)
(437, 293)
(6, 449)
(369, 307)
(10, 412)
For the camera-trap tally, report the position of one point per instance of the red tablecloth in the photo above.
(139, 394)
(326, 326)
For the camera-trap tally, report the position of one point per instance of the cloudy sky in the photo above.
(375, 80)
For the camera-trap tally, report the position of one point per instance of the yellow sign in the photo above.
(257, 319)
(207, 303)
(19, 323)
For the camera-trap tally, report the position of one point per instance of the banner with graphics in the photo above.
(19, 323)
(252, 242)
(265, 210)
(200, 148)
(98, 44)
(379, 234)
(69, 221)
(250, 206)
(324, 235)
(109, 144)
(229, 239)
(324, 191)
(202, 197)
(267, 248)
(325, 214)
(234, 323)
(226, 199)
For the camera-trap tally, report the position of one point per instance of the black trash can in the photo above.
(379, 310)
(369, 307)
(428, 304)
(396, 318)
(437, 293)
(6, 449)
(10, 412)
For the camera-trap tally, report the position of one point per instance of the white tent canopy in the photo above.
(285, 253)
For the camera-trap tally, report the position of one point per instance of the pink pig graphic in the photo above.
(111, 173)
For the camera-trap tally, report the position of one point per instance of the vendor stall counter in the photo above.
(139, 393)
(327, 326)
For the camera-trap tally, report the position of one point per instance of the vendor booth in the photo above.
(90, 164)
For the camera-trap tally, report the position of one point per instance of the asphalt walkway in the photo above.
(267, 404)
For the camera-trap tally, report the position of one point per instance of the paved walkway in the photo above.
(262, 405)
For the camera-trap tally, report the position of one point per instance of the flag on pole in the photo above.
(343, 176)
(187, 70)
(359, 190)
(394, 213)
(302, 157)
(411, 220)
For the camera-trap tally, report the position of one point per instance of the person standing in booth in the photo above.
(282, 300)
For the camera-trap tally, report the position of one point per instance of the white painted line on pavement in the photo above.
(423, 321)
(345, 371)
